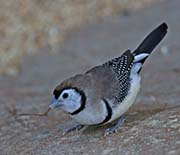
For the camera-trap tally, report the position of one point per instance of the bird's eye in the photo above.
(65, 95)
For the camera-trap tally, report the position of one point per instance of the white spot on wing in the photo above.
(140, 57)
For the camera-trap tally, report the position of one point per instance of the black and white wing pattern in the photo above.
(121, 67)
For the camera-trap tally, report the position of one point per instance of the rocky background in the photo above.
(44, 42)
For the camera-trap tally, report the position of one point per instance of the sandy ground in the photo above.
(153, 123)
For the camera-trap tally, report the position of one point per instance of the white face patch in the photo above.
(70, 100)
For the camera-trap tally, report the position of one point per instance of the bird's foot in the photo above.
(115, 128)
(77, 127)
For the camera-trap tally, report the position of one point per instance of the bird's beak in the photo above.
(54, 103)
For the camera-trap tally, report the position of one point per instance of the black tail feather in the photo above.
(152, 40)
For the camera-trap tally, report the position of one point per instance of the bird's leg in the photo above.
(76, 127)
(116, 127)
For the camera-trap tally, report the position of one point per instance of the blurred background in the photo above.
(26, 26)
(43, 42)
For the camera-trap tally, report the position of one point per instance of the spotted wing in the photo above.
(121, 67)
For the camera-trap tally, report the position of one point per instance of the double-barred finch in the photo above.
(104, 93)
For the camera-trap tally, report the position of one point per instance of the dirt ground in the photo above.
(152, 124)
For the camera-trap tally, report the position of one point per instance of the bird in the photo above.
(104, 93)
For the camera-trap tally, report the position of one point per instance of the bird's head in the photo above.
(70, 99)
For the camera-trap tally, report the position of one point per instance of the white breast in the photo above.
(129, 100)
(90, 115)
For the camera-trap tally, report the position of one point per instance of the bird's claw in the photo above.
(110, 131)
(115, 128)
(73, 128)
